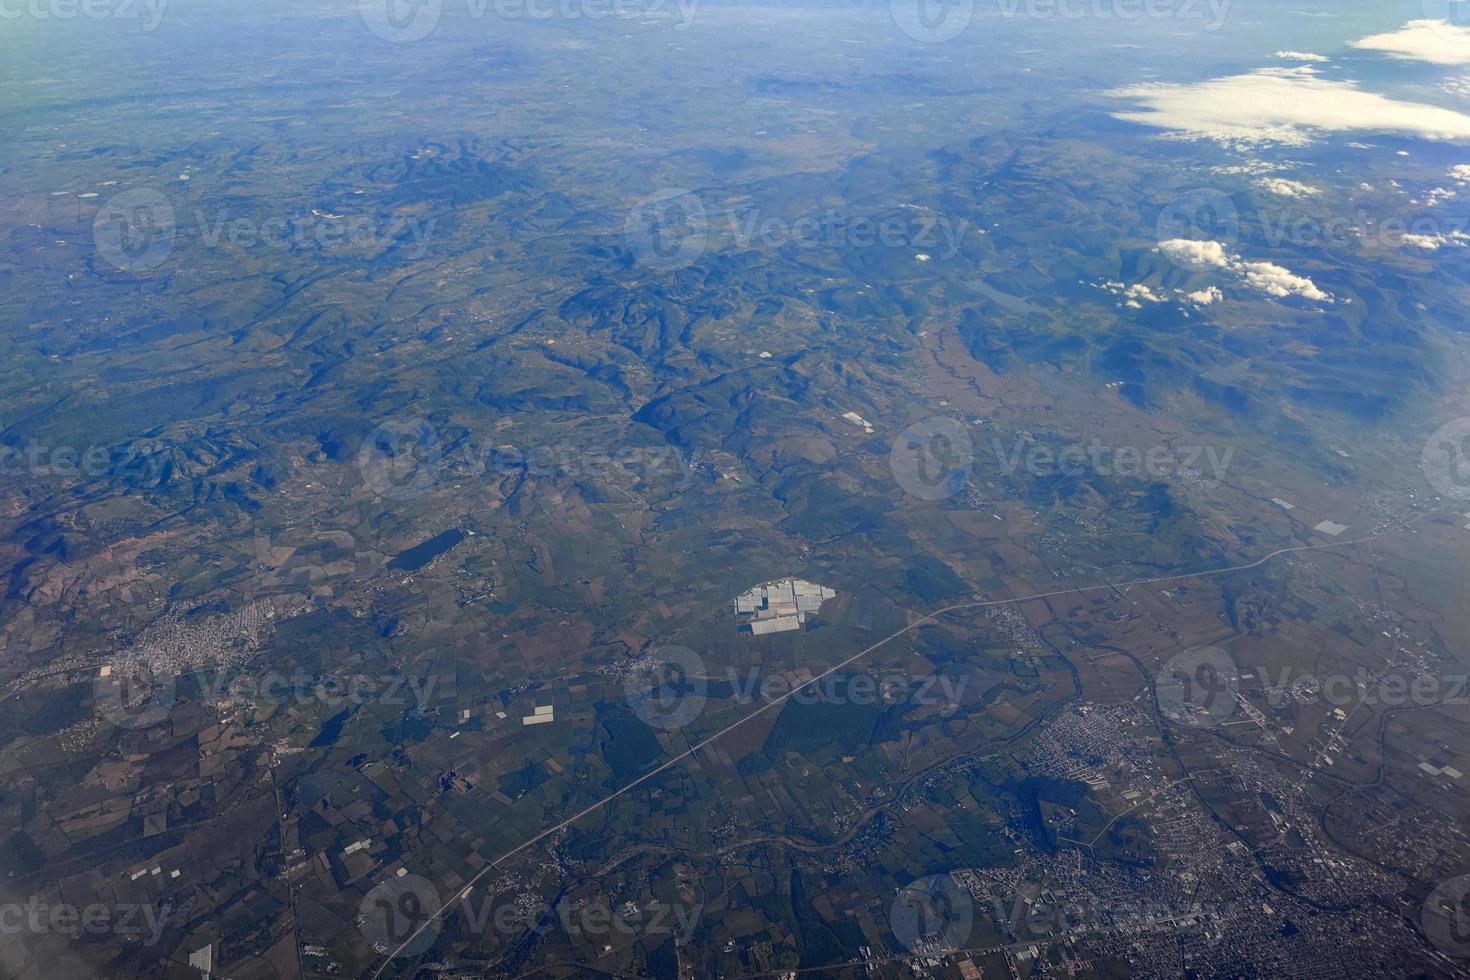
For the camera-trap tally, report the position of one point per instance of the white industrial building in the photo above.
(782, 605)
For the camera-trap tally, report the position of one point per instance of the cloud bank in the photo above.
(1282, 105)
(1436, 41)
(1282, 187)
(1432, 243)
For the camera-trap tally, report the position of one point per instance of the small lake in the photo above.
(421, 554)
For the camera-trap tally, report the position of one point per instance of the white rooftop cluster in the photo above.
(776, 607)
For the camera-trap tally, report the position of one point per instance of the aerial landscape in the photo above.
(974, 489)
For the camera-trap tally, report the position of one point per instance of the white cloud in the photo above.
(1196, 254)
(1432, 243)
(1273, 280)
(1282, 105)
(1299, 56)
(1282, 187)
(1265, 277)
(1436, 41)
(1134, 296)
(1460, 171)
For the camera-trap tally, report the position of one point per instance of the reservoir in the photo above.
(421, 554)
